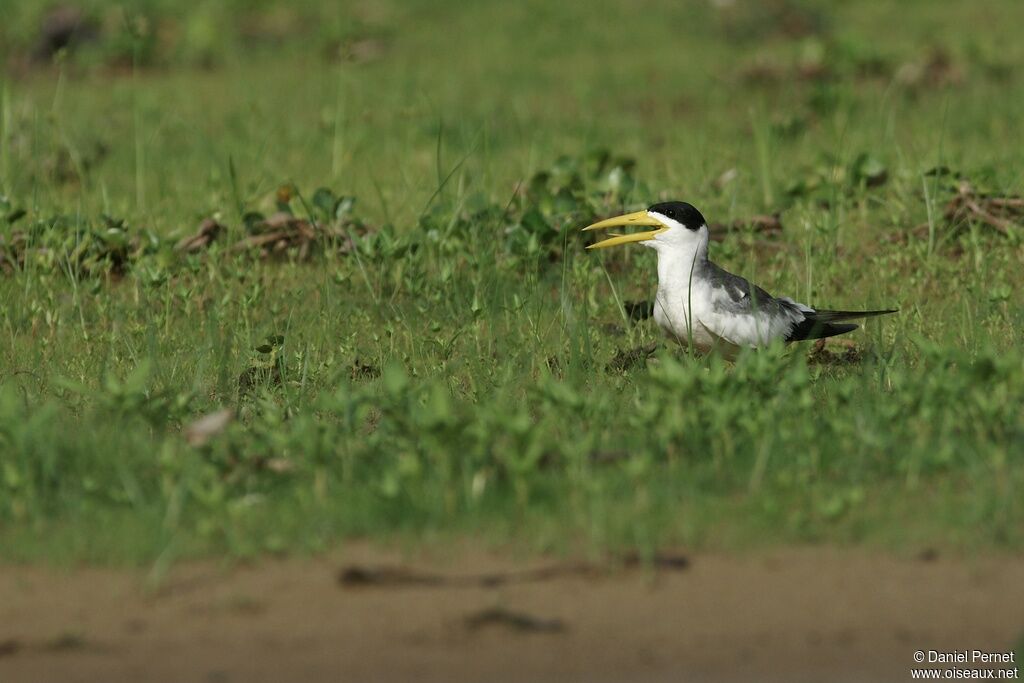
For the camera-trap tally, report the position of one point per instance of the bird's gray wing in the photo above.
(737, 295)
(745, 312)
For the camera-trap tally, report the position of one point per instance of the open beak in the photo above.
(639, 218)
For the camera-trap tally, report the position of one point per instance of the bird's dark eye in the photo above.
(671, 213)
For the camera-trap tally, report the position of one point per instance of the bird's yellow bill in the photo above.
(629, 220)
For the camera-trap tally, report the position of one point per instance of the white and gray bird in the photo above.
(700, 303)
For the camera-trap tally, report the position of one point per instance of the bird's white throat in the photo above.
(681, 289)
(681, 254)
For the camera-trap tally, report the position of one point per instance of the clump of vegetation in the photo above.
(82, 248)
(329, 224)
(76, 247)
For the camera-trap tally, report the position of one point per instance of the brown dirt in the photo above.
(788, 615)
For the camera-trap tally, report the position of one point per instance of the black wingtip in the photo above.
(827, 323)
(816, 329)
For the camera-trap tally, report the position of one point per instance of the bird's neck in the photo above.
(678, 266)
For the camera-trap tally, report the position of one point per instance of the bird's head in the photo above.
(676, 225)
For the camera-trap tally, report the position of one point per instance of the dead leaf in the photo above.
(725, 179)
(518, 622)
(279, 465)
(209, 231)
(281, 232)
(200, 432)
(356, 576)
(996, 212)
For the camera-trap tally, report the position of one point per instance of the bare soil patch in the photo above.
(365, 614)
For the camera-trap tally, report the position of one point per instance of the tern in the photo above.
(702, 304)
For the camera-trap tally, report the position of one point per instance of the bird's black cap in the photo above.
(684, 213)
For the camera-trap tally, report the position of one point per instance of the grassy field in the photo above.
(422, 348)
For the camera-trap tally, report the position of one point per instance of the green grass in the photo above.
(450, 376)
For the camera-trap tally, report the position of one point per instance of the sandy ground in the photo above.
(789, 615)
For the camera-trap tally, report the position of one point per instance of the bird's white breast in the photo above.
(672, 313)
(695, 307)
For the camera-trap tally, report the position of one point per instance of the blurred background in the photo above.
(357, 95)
